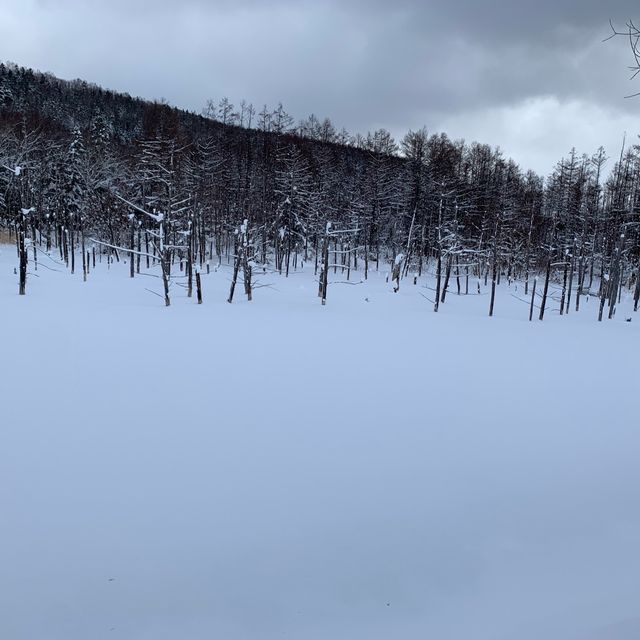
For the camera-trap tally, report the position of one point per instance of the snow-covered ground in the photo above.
(279, 469)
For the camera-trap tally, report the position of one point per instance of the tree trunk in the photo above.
(533, 297)
(546, 289)
(198, 287)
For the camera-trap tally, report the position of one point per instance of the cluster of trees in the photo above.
(86, 172)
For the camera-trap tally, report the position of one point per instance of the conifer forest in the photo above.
(92, 175)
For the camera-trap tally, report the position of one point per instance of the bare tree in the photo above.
(632, 33)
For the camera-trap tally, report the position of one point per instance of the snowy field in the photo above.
(278, 469)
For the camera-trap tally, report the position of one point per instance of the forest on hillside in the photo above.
(90, 174)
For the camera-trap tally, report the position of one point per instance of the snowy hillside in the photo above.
(278, 469)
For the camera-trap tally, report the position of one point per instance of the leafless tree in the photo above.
(632, 33)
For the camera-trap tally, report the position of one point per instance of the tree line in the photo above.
(93, 175)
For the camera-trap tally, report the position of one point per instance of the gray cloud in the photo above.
(466, 64)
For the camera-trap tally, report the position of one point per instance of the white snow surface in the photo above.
(279, 469)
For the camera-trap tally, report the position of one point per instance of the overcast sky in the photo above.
(534, 78)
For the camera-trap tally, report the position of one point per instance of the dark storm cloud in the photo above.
(486, 70)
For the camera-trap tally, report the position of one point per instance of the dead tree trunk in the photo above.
(494, 276)
(198, 287)
(164, 266)
(533, 297)
(545, 291)
(447, 275)
(234, 278)
(132, 246)
(436, 304)
(324, 269)
(23, 258)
